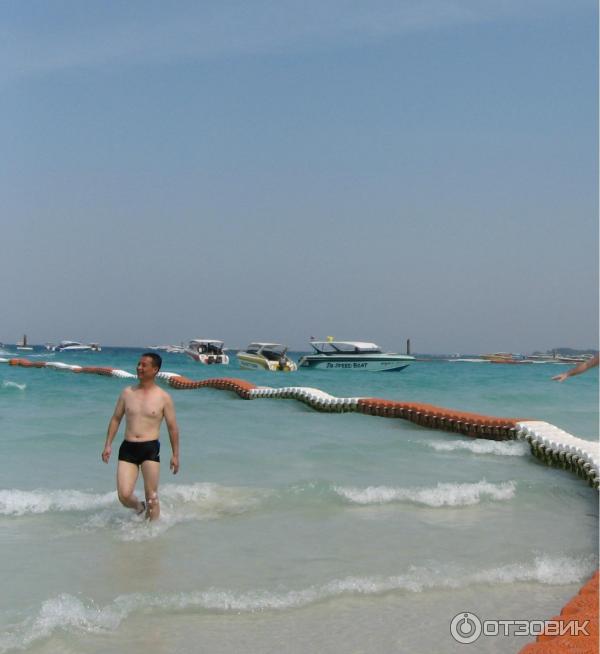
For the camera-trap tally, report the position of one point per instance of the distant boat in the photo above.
(574, 359)
(542, 358)
(505, 357)
(175, 349)
(171, 349)
(511, 361)
(23, 345)
(467, 359)
(494, 356)
(74, 346)
(207, 351)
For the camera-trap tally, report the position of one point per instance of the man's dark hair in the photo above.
(156, 358)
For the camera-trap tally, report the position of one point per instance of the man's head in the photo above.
(148, 365)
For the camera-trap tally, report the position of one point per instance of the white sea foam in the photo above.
(70, 613)
(20, 502)
(545, 570)
(12, 384)
(179, 502)
(481, 446)
(62, 612)
(443, 494)
(213, 497)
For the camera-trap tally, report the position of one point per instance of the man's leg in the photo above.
(127, 474)
(150, 473)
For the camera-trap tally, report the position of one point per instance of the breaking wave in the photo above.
(16, 502)
(207, 498)
(12, 384)
(70, 613)
(200, 501)
(443, 494)
(480, 446)
(179, 504)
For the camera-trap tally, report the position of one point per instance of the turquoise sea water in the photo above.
(287, 528)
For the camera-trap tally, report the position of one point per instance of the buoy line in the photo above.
(548, 443)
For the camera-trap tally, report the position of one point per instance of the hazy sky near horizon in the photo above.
(279, 170)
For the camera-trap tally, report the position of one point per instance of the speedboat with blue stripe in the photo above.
(352, 355)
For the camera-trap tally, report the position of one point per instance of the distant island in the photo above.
(554, 352)
(567, 351)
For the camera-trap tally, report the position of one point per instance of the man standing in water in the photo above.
(144, 407)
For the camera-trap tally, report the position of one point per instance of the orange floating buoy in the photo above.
(579, 611)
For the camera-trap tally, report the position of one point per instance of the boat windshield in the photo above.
(207, 347)
(345, 347)
(271, 351)
(274, 352)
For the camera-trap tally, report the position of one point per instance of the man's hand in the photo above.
(106, 453)
(174, 465)
(560, 377)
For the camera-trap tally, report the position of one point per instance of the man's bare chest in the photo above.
(150, 408)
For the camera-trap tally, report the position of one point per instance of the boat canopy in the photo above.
(345, 347)
(206, 345)
(271, 351)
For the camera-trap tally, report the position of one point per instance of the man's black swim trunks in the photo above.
(137, 453)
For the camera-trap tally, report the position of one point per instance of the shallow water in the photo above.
(287, 527)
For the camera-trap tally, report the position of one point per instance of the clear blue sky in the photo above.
(275, 170)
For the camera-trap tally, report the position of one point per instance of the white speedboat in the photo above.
(207, 351)
(75, 346)
(172, 349)
(266, 356)
(352, 355)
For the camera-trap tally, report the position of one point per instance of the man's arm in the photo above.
(577, 370)
(113, 427)
(173, 432)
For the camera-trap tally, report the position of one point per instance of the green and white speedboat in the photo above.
(266, 356)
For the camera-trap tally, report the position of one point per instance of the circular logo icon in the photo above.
(465, 628)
